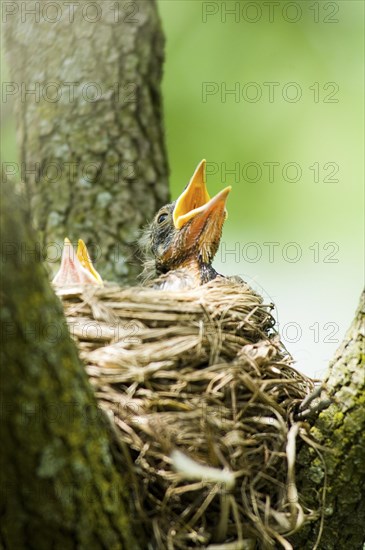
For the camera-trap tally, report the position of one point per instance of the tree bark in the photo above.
(60, 485)
(86, 81)
(336, 477)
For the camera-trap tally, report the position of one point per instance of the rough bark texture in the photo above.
(86, 82)
(60, 486)
(341, 429)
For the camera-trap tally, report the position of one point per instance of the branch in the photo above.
(338, 478)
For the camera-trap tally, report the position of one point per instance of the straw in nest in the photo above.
(200, 391)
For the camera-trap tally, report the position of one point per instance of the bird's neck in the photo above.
(201, 271)
(207, 273)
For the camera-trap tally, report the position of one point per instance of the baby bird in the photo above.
(183, 238)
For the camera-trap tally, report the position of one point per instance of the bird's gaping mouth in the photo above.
(76, 268)
(198, 218)
(195, 202)
(194, 195)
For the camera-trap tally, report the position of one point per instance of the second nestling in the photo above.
(184, 236)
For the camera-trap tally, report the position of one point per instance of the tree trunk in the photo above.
(86, 83)
(336, 476)
(60, 486)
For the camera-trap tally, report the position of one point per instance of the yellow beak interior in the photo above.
(83, 255)
(192, 198)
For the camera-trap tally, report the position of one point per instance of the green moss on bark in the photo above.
(339, 480)
(60, 485)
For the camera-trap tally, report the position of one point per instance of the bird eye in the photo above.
(162, 217)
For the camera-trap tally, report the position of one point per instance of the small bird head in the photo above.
(187, 231)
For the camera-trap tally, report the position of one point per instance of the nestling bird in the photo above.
(184, 236)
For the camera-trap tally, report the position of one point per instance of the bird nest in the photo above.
(201, 394)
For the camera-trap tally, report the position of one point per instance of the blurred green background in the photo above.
(308, 127)
(315, 296)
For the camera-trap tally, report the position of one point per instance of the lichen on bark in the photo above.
(336, 480)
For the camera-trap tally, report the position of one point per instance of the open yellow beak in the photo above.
(76, 268)
(195, 200)
(194, 196)
(207, 220)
